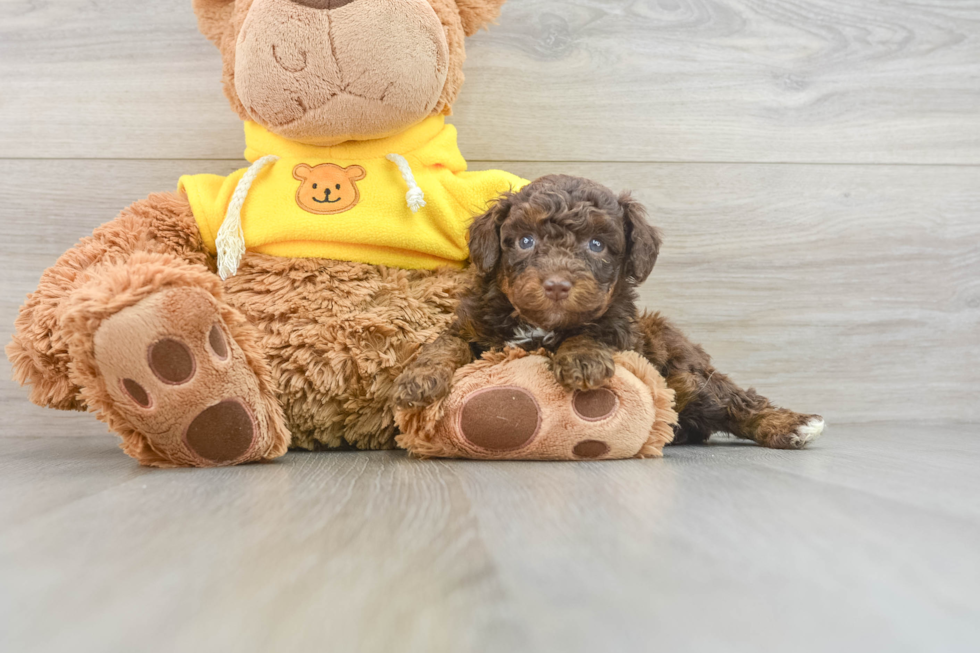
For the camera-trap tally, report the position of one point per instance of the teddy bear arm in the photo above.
(161, 229)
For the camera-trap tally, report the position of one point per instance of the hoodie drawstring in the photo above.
(230, 241)
(415, 197)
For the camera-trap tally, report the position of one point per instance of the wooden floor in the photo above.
(816, 169)
(867, 542)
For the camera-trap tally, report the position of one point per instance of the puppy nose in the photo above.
(557, 288)
(323, 4)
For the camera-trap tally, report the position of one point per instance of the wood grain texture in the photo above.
(722, 547)
(589, 80)
(853, 291)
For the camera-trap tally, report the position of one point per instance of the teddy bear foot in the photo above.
(180, 381)
(510, 406)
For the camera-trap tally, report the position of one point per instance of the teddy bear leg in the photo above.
(162, 223)
(170, 367)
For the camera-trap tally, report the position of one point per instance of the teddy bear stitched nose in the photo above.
(324, 4)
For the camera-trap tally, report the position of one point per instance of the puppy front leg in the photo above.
(430, 377)
(583, 363)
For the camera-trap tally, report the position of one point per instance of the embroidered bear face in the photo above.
(327, 188)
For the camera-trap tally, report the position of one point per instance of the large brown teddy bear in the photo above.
(301, 341)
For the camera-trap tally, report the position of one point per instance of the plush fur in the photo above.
(556, 266)
(316, 345)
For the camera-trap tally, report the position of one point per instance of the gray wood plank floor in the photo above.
(866, 542)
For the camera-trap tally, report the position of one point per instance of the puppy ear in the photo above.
(642, 240)
(484, 236)
(301, 172)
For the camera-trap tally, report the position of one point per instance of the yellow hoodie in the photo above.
(352, 201)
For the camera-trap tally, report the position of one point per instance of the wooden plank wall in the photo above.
(815, 166)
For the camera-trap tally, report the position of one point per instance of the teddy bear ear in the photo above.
(355, 173)
(301, 172)
(214, 18)
(478, 13)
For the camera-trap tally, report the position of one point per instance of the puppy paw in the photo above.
(786, 430)
(584, 371)
(422, 386)
(806, 433)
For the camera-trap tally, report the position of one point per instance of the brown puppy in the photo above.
(556, 266)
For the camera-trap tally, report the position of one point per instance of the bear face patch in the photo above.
(327, 188)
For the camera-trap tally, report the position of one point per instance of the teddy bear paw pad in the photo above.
(591, 449)
(177, 378)
(171, 361)
(222, 433)
(500, 419)
(595, 405)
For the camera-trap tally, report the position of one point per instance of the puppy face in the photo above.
(560, 249)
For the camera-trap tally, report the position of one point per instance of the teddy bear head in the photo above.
(323, 72)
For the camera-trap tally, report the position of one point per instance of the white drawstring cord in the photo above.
(230, 242)
(415, 196)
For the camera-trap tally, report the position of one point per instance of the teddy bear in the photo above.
(238, 316)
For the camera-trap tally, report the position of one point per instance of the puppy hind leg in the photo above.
(699, 414)
(751, 416)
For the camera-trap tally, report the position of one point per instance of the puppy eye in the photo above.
(338, 186)
(526, 242)
(314, 186)
(596, 245)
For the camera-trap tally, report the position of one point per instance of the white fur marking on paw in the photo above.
(808, 433)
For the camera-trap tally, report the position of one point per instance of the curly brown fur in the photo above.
(556, 265)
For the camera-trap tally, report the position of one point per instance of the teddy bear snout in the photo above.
(323, 4)
(307, 71)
